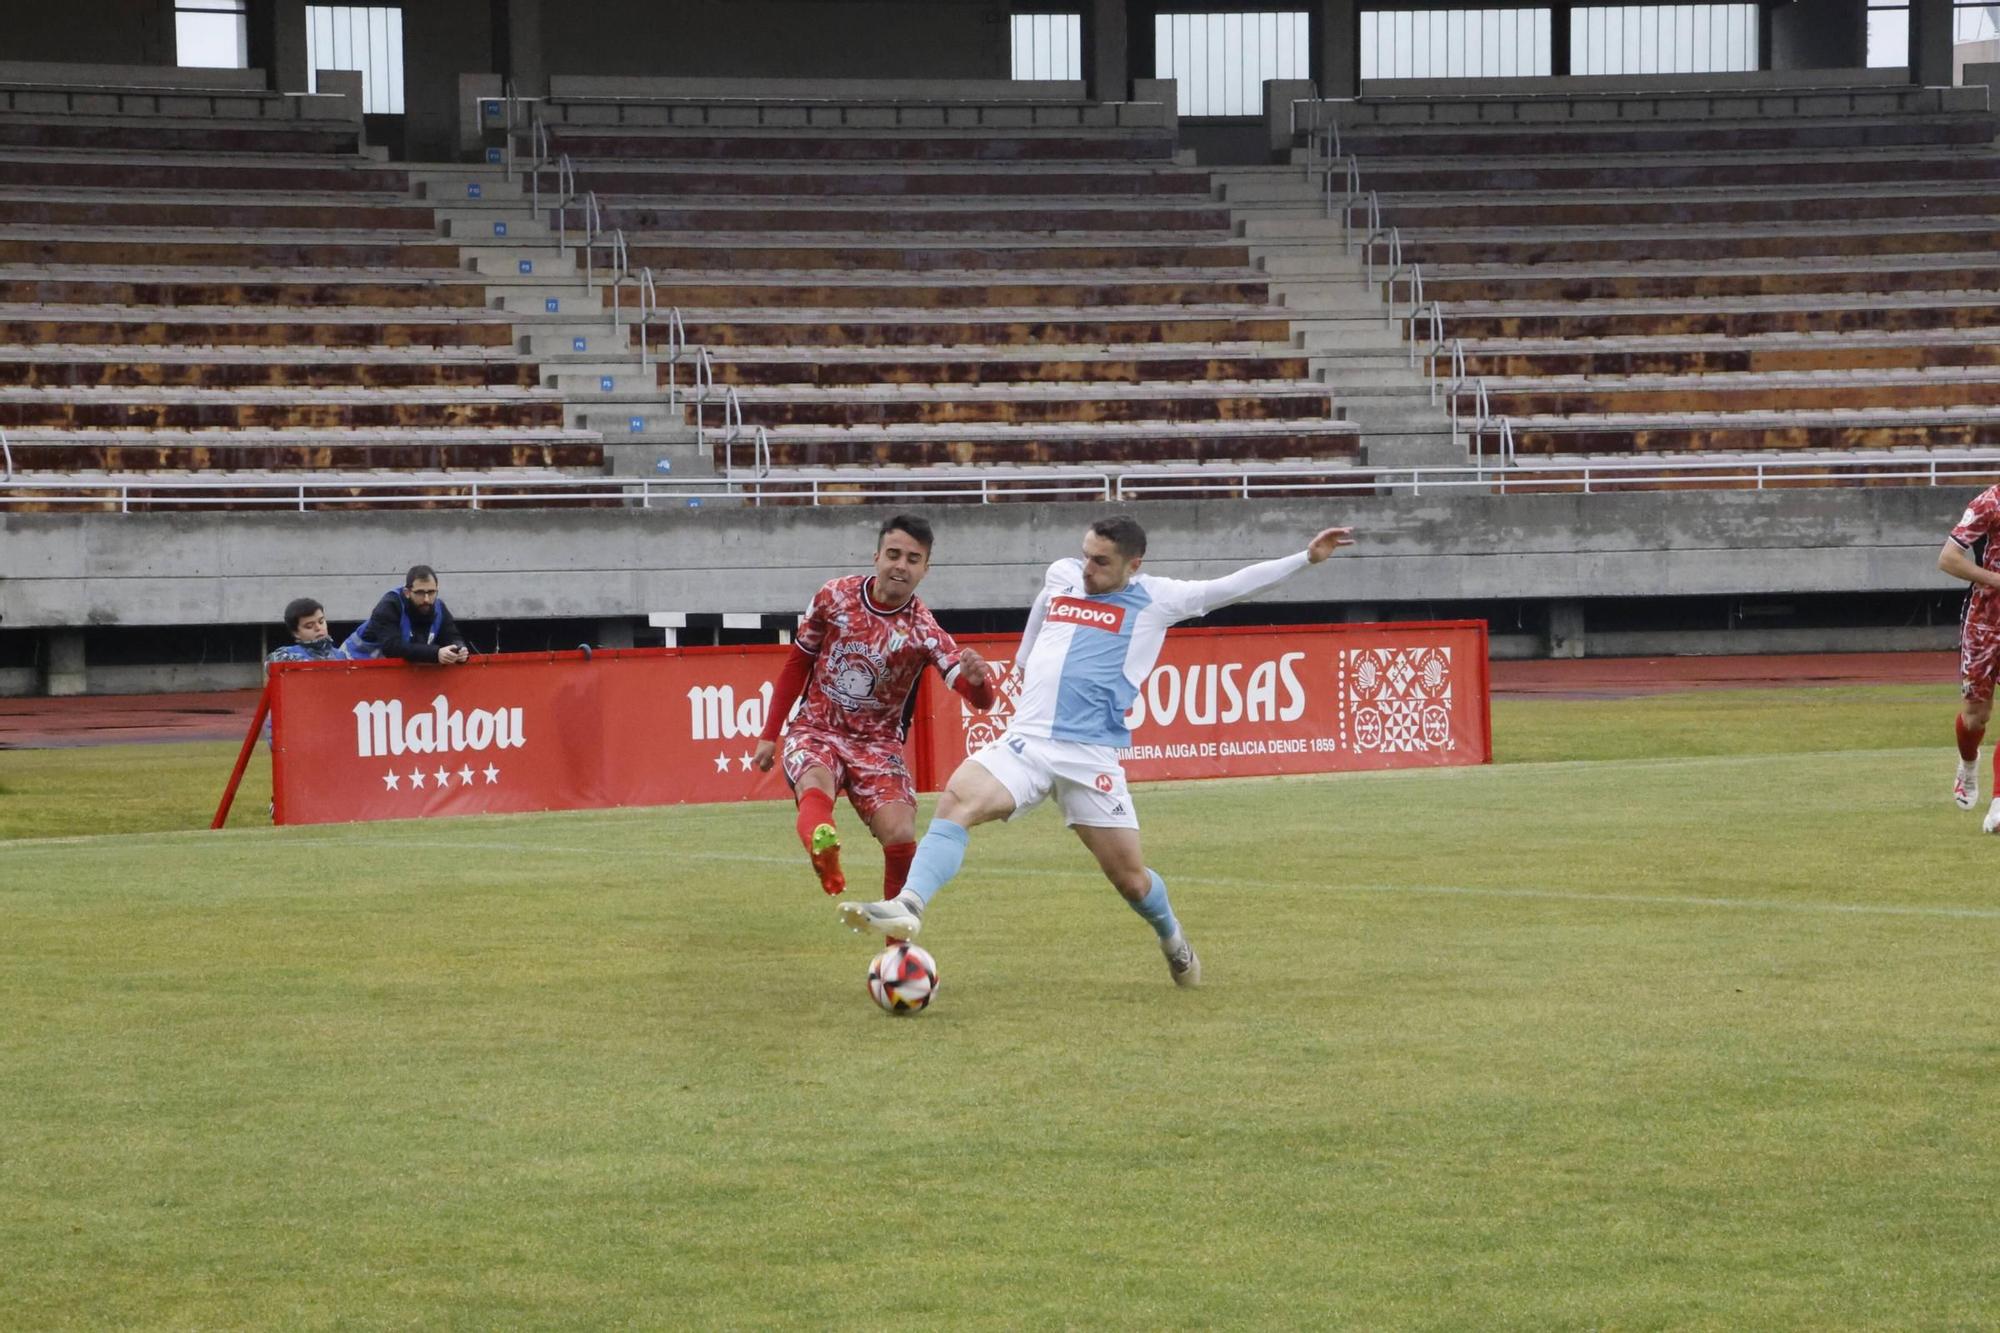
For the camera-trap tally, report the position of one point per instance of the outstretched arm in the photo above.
(1208, 594)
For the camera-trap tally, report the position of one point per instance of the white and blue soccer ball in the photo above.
(903, 978)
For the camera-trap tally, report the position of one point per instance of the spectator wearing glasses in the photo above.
(411, 622)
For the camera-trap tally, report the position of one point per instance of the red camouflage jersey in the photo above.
(1975, 532)
(867, 661)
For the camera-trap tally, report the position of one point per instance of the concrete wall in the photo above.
(104, 32)
(190, 569)
(780, 38)
(442, 39)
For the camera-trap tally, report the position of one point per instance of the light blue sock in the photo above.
(938, 858)
(1154, 906)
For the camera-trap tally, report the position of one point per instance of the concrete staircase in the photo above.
(1343, 325)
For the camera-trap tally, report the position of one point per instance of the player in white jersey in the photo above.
(1092, 638)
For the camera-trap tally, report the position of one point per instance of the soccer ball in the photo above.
(903, 978)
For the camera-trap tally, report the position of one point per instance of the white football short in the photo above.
(1088, 781)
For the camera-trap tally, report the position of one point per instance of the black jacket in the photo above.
(384, 630)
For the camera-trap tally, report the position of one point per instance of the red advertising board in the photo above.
(659, 726)
(522, 731)
(1254, 702)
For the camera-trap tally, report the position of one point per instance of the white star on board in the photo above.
(416, 778)
(443, 776)
(492, 775)
(744, 759)
(391, 781)
(722, 763)
(465, 776)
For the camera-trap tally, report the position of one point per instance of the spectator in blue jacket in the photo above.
(306, 621)
(412, 623)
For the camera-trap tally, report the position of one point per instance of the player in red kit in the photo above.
(1972, 554)
(859, 653)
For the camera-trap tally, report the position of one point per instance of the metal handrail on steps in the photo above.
(1371, 217)
(1353, 182)
(1481, 404)
(1416, 272)
(1434, 312)
(593, 227)
(1393, 236)
(1455, 365)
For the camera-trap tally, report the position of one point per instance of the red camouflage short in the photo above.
(1978, 660)
(872, 773)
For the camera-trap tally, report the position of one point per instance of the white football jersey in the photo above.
(1084, 657)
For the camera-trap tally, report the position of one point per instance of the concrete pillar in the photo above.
(63, 672)
(288, 46)
(1279, 95)
(1110, 71)
(1339, 48)
(1930, 43)
(345, 83)
(1166, 92)
(524, 47)
(1566, 629)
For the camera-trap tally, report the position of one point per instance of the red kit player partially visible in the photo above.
(1972, 554)
(862, 647)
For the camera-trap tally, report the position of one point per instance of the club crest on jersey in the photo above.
(851, 678)
(1077, 611)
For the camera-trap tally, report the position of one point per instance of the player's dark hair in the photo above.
(1122, 531)
(419, 572)
(910, 523)
(298, 609)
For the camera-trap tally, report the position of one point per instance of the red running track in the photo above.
(127, 719)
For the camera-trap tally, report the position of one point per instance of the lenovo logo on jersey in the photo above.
(1076, 611)
(715, 714)
(380, 728)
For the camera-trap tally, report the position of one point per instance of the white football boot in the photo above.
(900, 918)
(1992, 821)
(1182, 964)
(1965, 789)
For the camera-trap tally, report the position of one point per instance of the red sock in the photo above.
(1968, 740)
(896, 858)
(815, 808)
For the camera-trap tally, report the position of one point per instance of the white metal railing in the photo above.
(7, 455)
(1370, 205)
(1392, 237)
(1481, 404)
(677, 341)
(1416, 272)
(1454, 366)
(621, 272)
(507, 124)
(1351, 178)
(593, 226)
(989, 485)
(565, 191)
(732, 425)
(1434, 314)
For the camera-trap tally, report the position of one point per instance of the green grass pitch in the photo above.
(1681, 1016)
